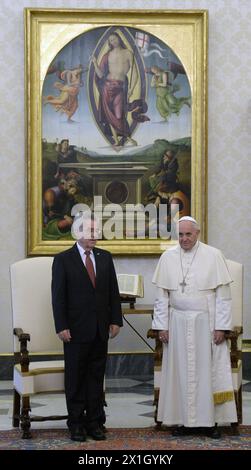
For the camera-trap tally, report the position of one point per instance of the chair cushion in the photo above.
(44, 376)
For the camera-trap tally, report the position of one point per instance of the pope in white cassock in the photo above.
(192, 312)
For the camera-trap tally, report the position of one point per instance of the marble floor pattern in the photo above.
(129, 404)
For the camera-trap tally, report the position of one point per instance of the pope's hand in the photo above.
(219, 336)
(164, 336)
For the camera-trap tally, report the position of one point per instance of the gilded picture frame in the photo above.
(72, 140)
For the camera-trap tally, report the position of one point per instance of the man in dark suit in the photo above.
(87, 310)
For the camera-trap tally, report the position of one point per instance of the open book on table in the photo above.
(131, 285)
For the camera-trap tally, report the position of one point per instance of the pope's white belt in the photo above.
(184, 302)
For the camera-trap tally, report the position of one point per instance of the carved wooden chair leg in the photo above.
(158, 425)
(238, 398)
(16, 410)
(155, 404)
(25, 418)
(235, 429)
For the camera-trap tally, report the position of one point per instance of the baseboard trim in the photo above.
(118, 364)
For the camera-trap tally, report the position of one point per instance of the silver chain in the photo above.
(183, 284)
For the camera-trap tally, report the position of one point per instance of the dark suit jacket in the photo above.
(77, 305)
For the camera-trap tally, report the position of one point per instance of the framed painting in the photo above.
(116, 106)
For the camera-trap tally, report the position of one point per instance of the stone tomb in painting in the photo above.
(117, 183)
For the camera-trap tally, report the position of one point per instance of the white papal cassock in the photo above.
(196, 383)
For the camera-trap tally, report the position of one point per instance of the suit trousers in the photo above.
(84, 378)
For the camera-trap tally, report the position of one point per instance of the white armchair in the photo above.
(33, 322)
(235, 336)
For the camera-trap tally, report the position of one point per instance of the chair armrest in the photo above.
(154, 334)
(235, 333)
(21, 335)
(23, 354)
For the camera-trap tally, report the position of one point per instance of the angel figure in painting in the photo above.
(166, 102)
(67, 101)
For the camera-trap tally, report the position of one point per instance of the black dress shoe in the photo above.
(78, 434)
(180, 431)
(213, 432)
(97, 434)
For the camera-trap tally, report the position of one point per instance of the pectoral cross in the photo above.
(183, 285)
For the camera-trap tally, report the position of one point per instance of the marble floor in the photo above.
(129, 404)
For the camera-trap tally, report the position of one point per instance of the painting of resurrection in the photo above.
(116, 123)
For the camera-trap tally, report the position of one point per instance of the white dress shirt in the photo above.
(83, 256)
